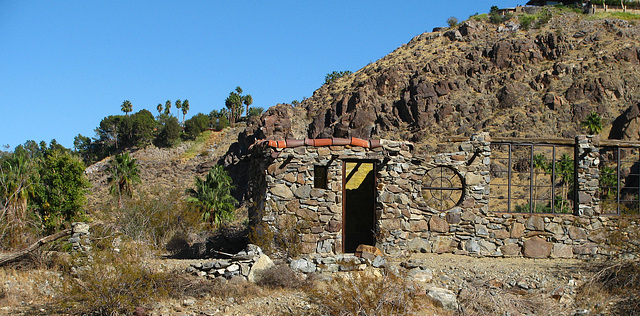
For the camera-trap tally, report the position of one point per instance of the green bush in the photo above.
(156, 219)
(169, 134)
(195, 125)
(526, 21)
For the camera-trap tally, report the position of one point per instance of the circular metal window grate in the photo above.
(442, 188)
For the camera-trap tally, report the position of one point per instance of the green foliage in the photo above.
(452, 21)
(155, 219)
(234, 103)
(17, 173)
(593, 123)
(167, 107)
(169, 131)
(196, 125)
(61, 187)
(335, 75)
(212, 196)
(608, 183)
(137, 129)
(185, 109)
(126, 107)
(159, 108)
(219, 119)
(494, 9)
(255, 111)
(526, 21)
(123, 174)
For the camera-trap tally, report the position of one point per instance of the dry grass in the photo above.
(282, 277)
(371, 293)
(485, 299)
(614, 288)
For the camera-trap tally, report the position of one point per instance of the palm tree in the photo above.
(167, 107)
(564, 168)
(126, 107)
(185, 109)
(15, 189)
(159, 107)
(178, 106)
(247, 100)
(212, 196)
(593, 123)
(124, 173)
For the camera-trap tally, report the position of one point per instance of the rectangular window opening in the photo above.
(320, 177)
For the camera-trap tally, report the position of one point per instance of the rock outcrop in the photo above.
(477, 77)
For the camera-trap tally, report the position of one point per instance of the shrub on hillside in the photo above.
(195, 125)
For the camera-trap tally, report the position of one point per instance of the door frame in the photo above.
(344, 195)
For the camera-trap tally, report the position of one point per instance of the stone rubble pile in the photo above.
(245, 265)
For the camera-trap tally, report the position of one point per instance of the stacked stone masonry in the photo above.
(406, 223)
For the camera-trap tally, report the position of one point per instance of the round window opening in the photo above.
(442, 188)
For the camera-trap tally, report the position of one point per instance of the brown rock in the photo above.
(586, 249)
(438, 224)
(576, 233)
(444, 244)
(418, 226)
(537, 247)
(501, 234)
(535, 223)
(453, 217)
(368, 252)
(562, 251)
(510, 250)
(334, 226)
(517, 230)
(290, 177)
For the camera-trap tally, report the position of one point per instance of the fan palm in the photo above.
(212, 196)
(124, 173)
(126, 107)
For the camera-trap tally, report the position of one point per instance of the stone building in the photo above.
(339, 193)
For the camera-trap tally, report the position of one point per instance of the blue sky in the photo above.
(65, 65)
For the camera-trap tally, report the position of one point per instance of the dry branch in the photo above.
(16, 255)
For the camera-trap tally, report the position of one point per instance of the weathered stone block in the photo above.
(418, 226)
(517, 230)
(501, 234)
(576, 233)
(453, 217)
(537, 247)
(444, 244)
(562, 251)
(282, 191)
(586, 249)
(438, 224)
(419, 245)
(555, 229)
(510, 250)
(535, 223)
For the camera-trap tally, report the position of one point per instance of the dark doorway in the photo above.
(359, 196)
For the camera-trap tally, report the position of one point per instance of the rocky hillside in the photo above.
(480, 76)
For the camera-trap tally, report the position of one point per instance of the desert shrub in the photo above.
(616, 286)
(281, 276)
(365, 293)
(485, 299)
(526, 21)
(113, 284)
(452, 21)
(155, 219)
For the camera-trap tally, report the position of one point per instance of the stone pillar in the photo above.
(80, 237)
(587, 159)
(479, 170)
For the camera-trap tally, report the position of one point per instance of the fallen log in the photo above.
(19, 254)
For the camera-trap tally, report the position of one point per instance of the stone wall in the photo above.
(406, 222)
